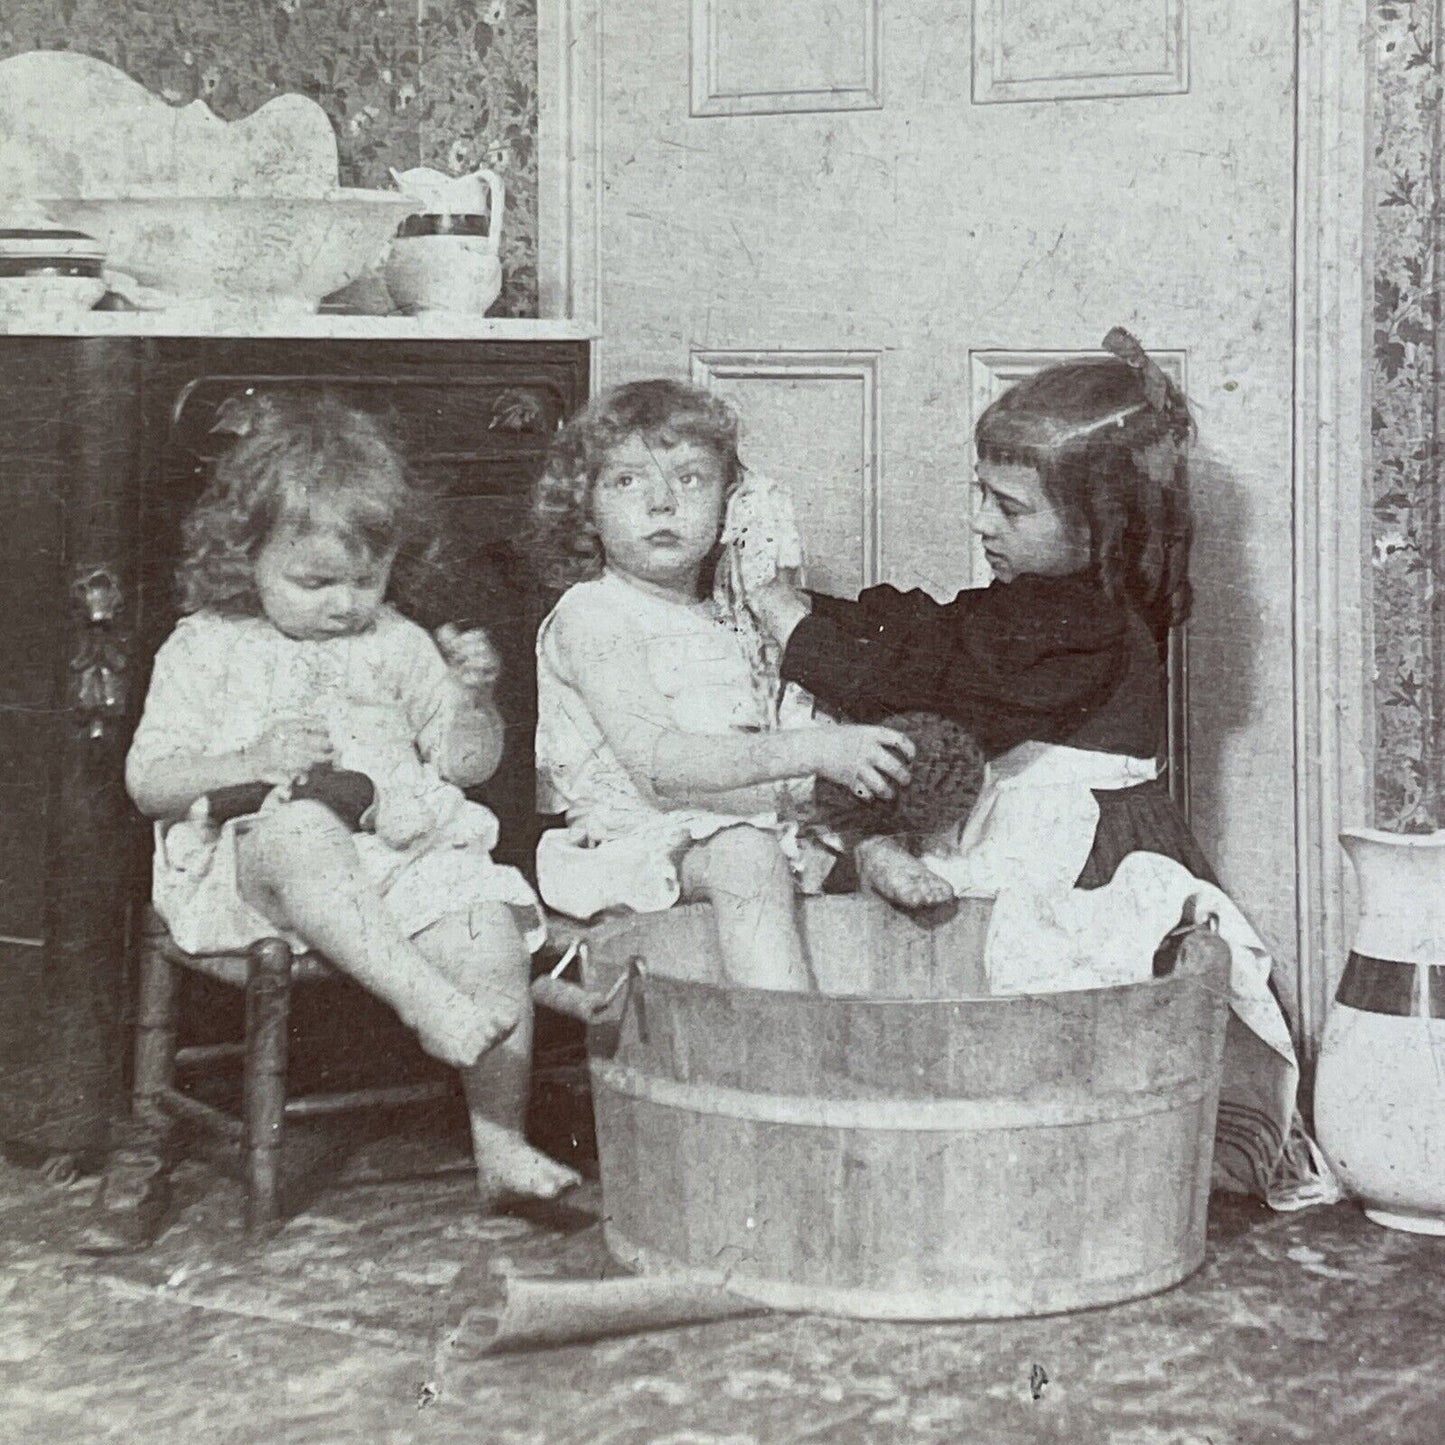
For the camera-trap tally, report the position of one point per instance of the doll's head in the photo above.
(638, 480)
(1084, 466)
(302, 520)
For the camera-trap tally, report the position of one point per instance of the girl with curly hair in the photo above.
(682, 773)
(303, 749)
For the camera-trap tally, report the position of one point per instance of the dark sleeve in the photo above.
(876, 609)
(1028, 660)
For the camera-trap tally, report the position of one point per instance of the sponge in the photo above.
(946, 778)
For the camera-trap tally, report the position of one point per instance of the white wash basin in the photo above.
(271, 253)
(244, 216)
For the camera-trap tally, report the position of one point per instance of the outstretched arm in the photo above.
(1029, 660)
(677, 768)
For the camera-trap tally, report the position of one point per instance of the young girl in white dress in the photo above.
(683, 768)
(288, 666)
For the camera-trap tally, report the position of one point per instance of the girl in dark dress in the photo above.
(1058, 671)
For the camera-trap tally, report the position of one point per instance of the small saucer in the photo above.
(48, 273)
(46, 299)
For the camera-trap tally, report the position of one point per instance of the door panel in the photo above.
(832, 461)
(756, 57)
(934, 181)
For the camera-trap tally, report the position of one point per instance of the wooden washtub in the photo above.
(902, 1146)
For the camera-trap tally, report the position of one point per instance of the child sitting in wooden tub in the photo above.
(682, 767)
(1057, 669)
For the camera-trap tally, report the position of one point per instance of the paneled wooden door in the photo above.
(860, 220)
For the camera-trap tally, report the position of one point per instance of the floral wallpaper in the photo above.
(445, 83)
(1409, 352)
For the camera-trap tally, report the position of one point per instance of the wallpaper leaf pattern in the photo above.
(444, 83)
(1409, 351)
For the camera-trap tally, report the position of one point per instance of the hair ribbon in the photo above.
(1126, 347)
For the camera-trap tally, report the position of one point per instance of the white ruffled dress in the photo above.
(1026, 841)
(609, 649)
(220, 682)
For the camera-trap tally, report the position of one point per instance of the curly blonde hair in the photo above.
(1109, 438)
(662, 412)
(301, 460)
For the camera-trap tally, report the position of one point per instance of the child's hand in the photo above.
(401, 819)
(868, 761)
(470, 656)
(289, 748)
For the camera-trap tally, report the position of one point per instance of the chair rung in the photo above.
(204, 1114)
(195, 1056)
(309, 1105)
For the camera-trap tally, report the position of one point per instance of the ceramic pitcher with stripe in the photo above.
(1380, 1088)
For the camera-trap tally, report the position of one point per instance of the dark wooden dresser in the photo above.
(104, 442)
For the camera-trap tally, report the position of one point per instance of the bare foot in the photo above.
(461, 1034)
(508, 1166)
(887, 868)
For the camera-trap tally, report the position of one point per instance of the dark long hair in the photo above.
(1109, 438)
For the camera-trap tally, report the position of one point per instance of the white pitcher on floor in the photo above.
(447, 258)
(1380, 1089)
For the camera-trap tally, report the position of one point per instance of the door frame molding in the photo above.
(1332, 715)
(569, 157)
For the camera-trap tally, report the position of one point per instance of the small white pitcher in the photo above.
(444, 259)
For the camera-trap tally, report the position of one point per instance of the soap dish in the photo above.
(48, 272)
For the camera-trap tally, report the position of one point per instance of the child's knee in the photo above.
(291, 836)
(480, 947)
(740, 863)
(303, 819)
(494, 927)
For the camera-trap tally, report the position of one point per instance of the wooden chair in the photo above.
(267, 971)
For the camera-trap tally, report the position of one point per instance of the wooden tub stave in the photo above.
(934, 1154)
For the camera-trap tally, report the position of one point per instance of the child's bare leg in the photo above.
(479, 951)
(742, 872)
(887, 868)
(299, 866)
